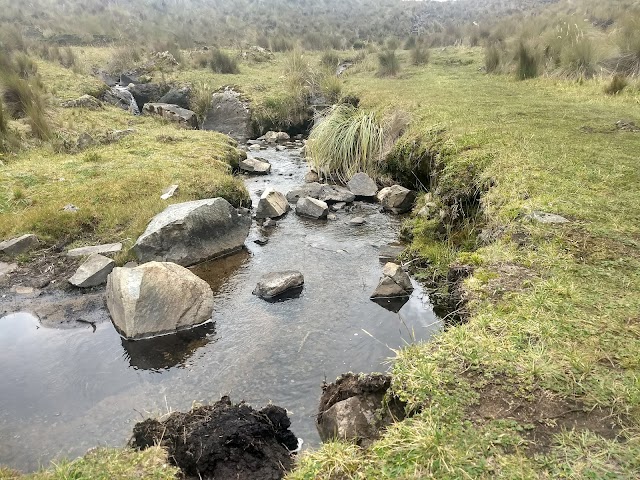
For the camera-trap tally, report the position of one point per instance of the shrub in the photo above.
(617, 84)
(579, 59)
(330, 59)
(388, 64)
(629, 43)
(420, 55)
(68, 58)
(410, 43)
(24, 66)
(492, 58)
(527, 62)
(281, 43)
(222, 62)
(347, 141)
(24, 100)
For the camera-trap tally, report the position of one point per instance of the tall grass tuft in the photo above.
(617, 84)
(629, 43)
(527, 62)
(492, 58)
(388, 64)
(4, 129)
(420, 55)
(579, 59)
(349, 140)
(330, 59)
(222, 62)
(200, 99)
(25, 100)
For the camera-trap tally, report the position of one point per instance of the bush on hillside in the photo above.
(526, 62)
(388, 64)
(492, 58)
(420, 55)
(221, 62)
(25, 100)
(579, 59)
(617, 84)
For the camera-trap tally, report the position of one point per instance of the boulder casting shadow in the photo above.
(167, 351)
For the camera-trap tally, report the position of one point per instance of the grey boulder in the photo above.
(183, 117)
(397, 199)
(276, 283)
(93, 272)
(272, 204)
(312, 208)
(176, 96)
(157, 298)
(395, 282)
(313, 190)
(361, 185)
(335, 194)
(19, 245)
(191, 232)
(255, 165)
(275, 137)
(102, 249)
(228, 114)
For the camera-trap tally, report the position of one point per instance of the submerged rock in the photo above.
(19, 245)
(223, 441)
(255, 165)
(228, 114)
(361, 185)
(310, 207)
(274, 284)
(272, 204)
(157, 298)
(183, 117)
(397, 199)
(102, 249)
(191, 232)
(93, 272)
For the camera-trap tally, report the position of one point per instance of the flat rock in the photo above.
(312, 208)
(183, 117)
(19, 245)
(276, 283)
(397, 199)
(255, 165)
(544, 217)
(398, 275)
(390, 253)
(272, 204)
(334, 194)
(191, 232)
(93, 272)
(312, 189)
(361, 185)
(101, 249)
(85, 101)
(157, 298)
(311, 176)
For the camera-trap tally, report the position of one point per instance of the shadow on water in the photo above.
(168, 351)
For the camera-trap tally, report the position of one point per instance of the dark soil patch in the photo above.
(352, 385)
(224, 441)
(47, 270)
(586, 247)
(510, 278)
(543, 417)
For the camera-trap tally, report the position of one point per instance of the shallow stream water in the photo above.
(63, 391)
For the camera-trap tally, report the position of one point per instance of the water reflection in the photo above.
(168, 351)
(217, 272)
(394, 304)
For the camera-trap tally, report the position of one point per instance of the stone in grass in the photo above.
(312, 208)
(544, 217)
(275, 284)
(272, 204)
(19, 245)
(93, 272)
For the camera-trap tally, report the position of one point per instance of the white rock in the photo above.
(94, 271)
(310, 207)
(272, 204)
(16, 246)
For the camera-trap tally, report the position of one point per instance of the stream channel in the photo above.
(66, 390)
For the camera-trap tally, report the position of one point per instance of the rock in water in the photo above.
(313, 190)
(334, 194)
(394, 283)
(229, 115)
(357, 221)
(16, 246)
(93, 272)
(310, 207)
(191, 232)
(275, 137)
(361, 185)
(397, 199)
(157, 298)
(223, 441)
(272, 204)
(255, 165)
(277, 283)
(183, 117)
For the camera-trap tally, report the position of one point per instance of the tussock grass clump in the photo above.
(349, 140)
(617, 84)
(420, 55)
(628, 40)
(580, 59)
(388, 64)
(492, 58)
(526, 62)
(221, 62)
(330, 59)
(23, 99)
(200, 99)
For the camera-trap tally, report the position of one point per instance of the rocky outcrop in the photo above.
(19, 245)
(183, 117)
(397, 199)
(85, 101)
(312, 208)
(255, 165)
(176, 96)
(157, 298)
(361, 185)
(191, 232)
(394, 283)
(147, 93)
(277, 283)
(93, 272)
(102, 249)
(272, 204)
(228, 114)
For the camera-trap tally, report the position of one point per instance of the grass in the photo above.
(568, 327)
(106, 464)
(388, 64)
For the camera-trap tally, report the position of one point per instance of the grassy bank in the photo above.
(544, 379)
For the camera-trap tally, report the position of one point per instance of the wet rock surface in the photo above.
(312, 208)
(224, 441)
(275, 284)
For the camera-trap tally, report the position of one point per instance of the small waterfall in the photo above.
(127, 98)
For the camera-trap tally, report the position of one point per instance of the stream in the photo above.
(64, 391)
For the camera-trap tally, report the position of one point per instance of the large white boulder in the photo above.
(157, 298)
(312, 208)
(191, 232)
